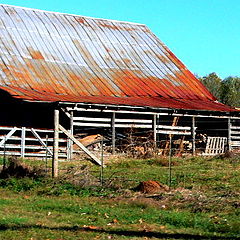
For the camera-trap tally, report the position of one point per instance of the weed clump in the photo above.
(16, 168)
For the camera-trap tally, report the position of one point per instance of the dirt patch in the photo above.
(151, 187)
(230, 154)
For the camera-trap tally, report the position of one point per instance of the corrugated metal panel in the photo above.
(60, 57)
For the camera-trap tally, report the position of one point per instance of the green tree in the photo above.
(230, 93)
(213, 84)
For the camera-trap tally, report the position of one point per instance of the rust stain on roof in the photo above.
(78, 59)
(80, 20)
(36, 54)
(106, 24)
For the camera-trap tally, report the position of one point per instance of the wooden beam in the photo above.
(55, 144)
(117, 125)
(181, 146)
(117, 120)
(113, 133)
(171, 133)
(173, 127)
(234, 127)
(80, 145)
(211, 115)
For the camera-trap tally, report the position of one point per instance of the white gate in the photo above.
(30, 142)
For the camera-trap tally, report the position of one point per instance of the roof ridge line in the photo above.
(70, 14)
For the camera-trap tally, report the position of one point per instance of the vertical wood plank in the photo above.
(72, 133)
(217, 145)
(155, 130)
(229, 135)
(23, 139)
(223, 145)
(69, 141)
(55, 144)
(193, 137)
(207, 146)
(220, 145)
(212, 142)
(113, 133)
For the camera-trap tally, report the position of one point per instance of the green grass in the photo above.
(204, 203)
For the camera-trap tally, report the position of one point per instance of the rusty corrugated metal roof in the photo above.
(47, 56)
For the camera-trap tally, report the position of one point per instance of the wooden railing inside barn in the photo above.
(234, 137)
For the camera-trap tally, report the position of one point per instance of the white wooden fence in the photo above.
(30, 142)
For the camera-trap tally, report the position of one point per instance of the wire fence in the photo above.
(138, 143)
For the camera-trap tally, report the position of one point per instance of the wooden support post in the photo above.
(23, 137)
(55, 144)
(70, 142)
(113, 133)
(193, 137)
(229, 135)
(181, 146)
(155, 130)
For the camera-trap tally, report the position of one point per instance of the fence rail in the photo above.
(235, 136)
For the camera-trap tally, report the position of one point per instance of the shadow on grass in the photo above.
(149, 234)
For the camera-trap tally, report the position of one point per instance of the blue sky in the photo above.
(204, 34)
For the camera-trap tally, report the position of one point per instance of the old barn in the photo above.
(66, 75)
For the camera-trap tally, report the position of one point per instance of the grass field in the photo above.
(203, 202)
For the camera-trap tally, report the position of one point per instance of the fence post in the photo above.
(229, 135)
(193, 137)
(101, 173)
(113, 133)
(46, 156)
(170, 161)
(4, 153)
(155, 130)
(23, 139)
(55, 144)
(69, 141)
